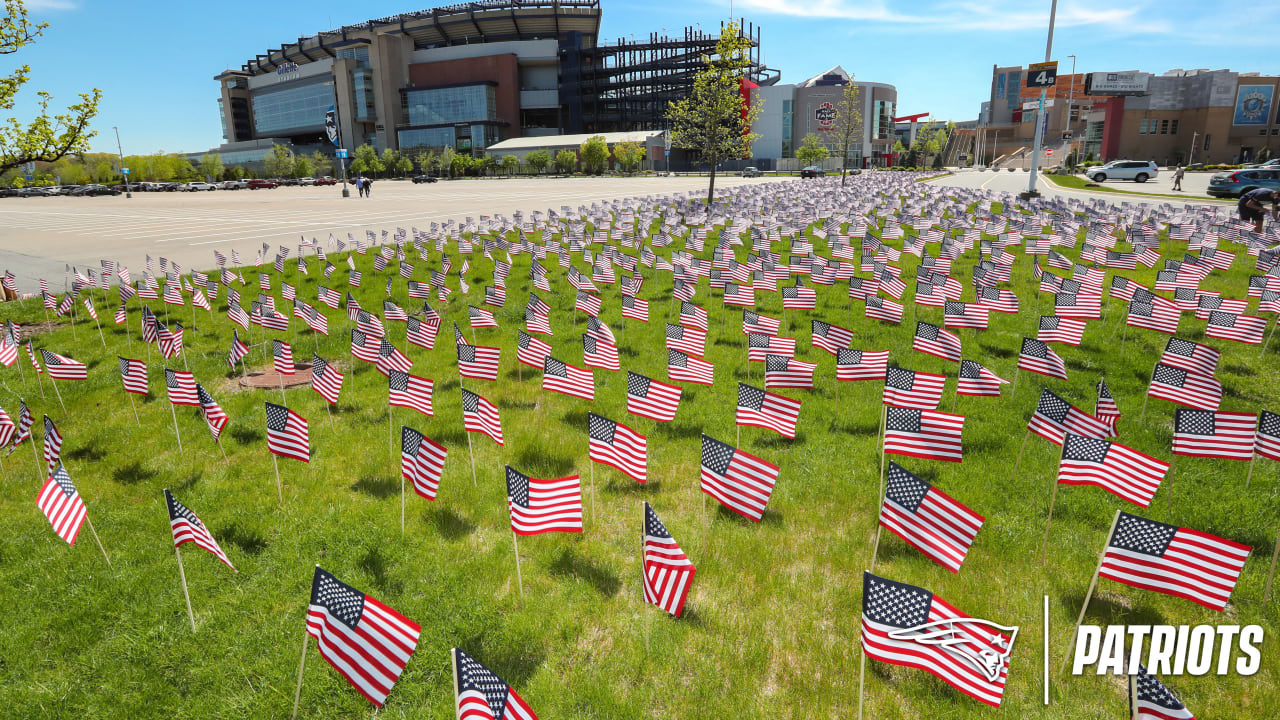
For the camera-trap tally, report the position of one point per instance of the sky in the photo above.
(155, 61)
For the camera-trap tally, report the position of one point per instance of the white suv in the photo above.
(1135, 170)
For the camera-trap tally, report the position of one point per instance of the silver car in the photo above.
(1135, 170)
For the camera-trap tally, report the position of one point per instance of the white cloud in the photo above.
(50, 4)
(964, 15)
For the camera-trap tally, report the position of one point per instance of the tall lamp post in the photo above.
(1035, 153)
(123, 170)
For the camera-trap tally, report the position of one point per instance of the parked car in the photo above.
(1234, 183)
(326, 180)
(94, 190)
(9, 192)
(812, 171)
(282, 182)
(1273, 164)
(198, 186)
(307, 181)
(1135, 170)
(751, 172)
(34, 192)
(424, 179)
(233, 184)
(257, 184)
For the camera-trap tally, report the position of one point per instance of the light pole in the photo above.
(1035, 153)
(1071, 92)
(123, 169)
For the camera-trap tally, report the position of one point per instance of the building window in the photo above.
(359, 54)
(362, 90)
(435, 106)
(1164, 127)
(1207, 136)
(299, 106)
(788, 117)
(1142, 127)
(1173, 127)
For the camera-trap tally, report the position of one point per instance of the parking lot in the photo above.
(40, 235)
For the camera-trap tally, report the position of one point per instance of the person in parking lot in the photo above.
(1177, 178)
(1251, 206)
(360, 187)
(368, 187)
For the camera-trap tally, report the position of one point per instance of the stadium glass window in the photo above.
(435, 106)
(297, 106)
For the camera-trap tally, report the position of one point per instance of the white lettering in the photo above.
(1088, 643)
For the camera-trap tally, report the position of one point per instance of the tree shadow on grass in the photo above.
(376, 564)
(246, 435)
(250, 542)
(571, 564)
(575, 419)
(678, 430)
(92, 452)
(132, 474)
(378, 487)
(450, 524)
(771, 518)
(449, 384)
(514, 665)
(999, 352)
(536, 462)
(859, 428)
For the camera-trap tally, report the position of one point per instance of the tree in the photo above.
(459, 164)
(811, 150)
(47, 138)
(538, 160)
(302, 166)
(446, 159)
(712, 119)
(390, 159)
(566, 160)
(594, 154)
(426, 160)
(404, 166)
(629, 155)
(510, 163)
(321, 164)
(279, 162)
(847, 126)
(210, 166)
(366, 160)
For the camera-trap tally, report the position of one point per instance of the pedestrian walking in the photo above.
(368, 187)
(1177, 178)
(360, 187)
(1251, 206)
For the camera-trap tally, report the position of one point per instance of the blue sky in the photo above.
(155, 61)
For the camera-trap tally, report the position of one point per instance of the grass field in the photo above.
(771, 625)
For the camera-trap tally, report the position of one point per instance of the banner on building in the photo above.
(331, 124)
(1253, 104)
(1119, 83)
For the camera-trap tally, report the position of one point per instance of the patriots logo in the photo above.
(947, 634)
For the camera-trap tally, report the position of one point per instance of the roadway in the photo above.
(1016, 182)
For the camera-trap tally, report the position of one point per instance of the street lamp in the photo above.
(123, 170)
(1071, 91)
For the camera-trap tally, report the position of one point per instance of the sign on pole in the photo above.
(341, 153)
(1042, 75)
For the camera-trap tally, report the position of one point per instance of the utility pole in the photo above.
(1035, 154)
(1071, 92)
(123, 169)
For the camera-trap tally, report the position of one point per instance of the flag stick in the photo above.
(326, 409)
(1168, 506)
(1249, 477)
(135, 409)
(282, 400)
(183, 574)
(1020, 449)
(515, 543)
(218, 442)
(41, 471)
(862, 673)
(1133, 696)
(100, 335)
(1088, 595)
(1053, 499)
(875, 548)
(1014, 392)
(73, 323)
(21, 373)
(472, 454)
(592, 464)
(1275, 554)
(1144, 405)
(95, 539)
(391, 433)
(54, 383)
(279, 485)
(302, 663)
(40, 381)
(175, 425)
(1268, 342)
(1123, 337)
(402, 503)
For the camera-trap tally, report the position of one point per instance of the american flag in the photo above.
(480, 318)
(739, 480)
(760, 408)
(1268, 438)
(181, 385)
(544, 505)
(480, 363)
(482, 695)
(122, 315)
(1078, 305)
(368, 643)
(133, 373)
(781, 371)
(687, 340)
(1241, 328)
(1207, 304)
(7, 428)
(1121, 471)
(282, 357)
(692, 316)
(287, 434)
(325, 379)
(667, 570)
(1105, 409)
(1038, 357)
(187, 527)
(530, 350)
(61, 503)
(599, 353)
(831, 338)
(410, 391)
(1185, 387)
(52, 445)
(392, 311)
(170, 342)
(928, 519)
(1155, 701)
(1154, 313)
(890, 284)
(214, 416)
(618, 446)
(906, 388)
(651, 398)
(924, 434)
(1173, 560)
(23, 430)
(563, 378)
(799, 297)
(908, 625)
(587, 303)
(1054, 417)
(977, 381)
(635, 308)
(1191, 356)
(882, 309)
(684, 367)
(933, 340)
(598, 329)
(480, 415)
(63, 368)
(421, 461)
(739, 295)
(753, 322)
(1060, 330)
(969, 315)
(421, 332)
(1206, 433)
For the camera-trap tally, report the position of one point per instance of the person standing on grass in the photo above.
(1177, 178)
(1252, 210)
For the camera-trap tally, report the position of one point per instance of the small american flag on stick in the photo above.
(1121, 471)
(187, 528)
(618, 446)
(540, 505)
(667, 570)
(741, 482)
(1173, 560)
(421, 461)
(928, 519)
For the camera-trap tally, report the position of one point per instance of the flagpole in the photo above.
(592, 465)
(471, 453)
(95, 539)
(862, 673)
(73, 323)
(1168, 505)
(1133, 696)
(39, 372)
(1018, 462)
(1014, 391)
(40, 473)
(391, 433)
(1275, 554)
(100, 335)
(1053, 499)
(1249, 477)
(1088, 595)
(402, 503)
(135, 409)
(279, 485)
(302, 663)
(175, 425)
(515, 543)
(54, 383)
(183, 574)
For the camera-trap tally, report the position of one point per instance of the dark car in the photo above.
(424, 179)
(93, 191)
(812, 171)
(292, 182)
(1235, 183)
(257, 184)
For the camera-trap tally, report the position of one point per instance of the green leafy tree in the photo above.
(425, 160)
(459, 164)
(811, 150)
(390, 159)
(629, 155)
(238, 173)
(594, 153)
(366, 160)
(103, 171)
(847, 127)
(404, 166)
(321, 164)
(446, 159)
(210, 166)
(302, 166)
(566, 160)
(48, 137)
(280, 161)
(510, 163)
(538, 160)
(712, 119)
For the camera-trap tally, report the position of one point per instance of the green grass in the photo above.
(1075, 182)
(771, 625)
